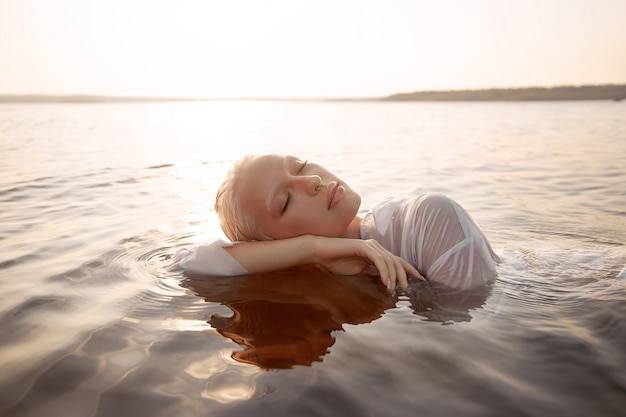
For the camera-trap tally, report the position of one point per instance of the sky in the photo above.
(306, 49)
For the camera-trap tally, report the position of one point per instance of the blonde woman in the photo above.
(281, 212)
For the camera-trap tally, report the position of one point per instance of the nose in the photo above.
(312, 184)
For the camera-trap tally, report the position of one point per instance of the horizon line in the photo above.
(419, 95)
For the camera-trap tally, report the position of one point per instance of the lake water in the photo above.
(95, 199)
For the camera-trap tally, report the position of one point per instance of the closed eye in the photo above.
(284, 209)
(302, 167)
(289, 194)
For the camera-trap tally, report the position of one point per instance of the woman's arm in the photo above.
(338, 255)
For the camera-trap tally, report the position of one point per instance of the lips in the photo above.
(335, 194)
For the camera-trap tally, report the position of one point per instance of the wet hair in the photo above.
(237, 224)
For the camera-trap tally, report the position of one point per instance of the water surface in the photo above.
(97, 197)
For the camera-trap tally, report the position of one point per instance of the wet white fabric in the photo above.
(437, 236)
(209, 259)
(432, 232)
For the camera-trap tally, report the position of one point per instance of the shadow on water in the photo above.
(286, 319)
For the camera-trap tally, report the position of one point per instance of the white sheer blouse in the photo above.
(437, 236)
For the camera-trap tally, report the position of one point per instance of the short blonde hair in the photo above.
(237, 224)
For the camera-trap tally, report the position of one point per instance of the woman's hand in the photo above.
(344, 256)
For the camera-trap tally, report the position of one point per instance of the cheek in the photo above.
(299, 220)
(302, 220)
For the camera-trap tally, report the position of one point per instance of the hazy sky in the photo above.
(297, 48)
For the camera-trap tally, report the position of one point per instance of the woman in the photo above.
(283, 212)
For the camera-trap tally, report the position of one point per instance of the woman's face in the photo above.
(289, 197)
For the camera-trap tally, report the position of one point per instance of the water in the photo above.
(95, 198)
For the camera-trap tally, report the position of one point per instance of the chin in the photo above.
(356, 204)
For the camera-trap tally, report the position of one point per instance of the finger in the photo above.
(401, 277)
(386, 275)
(375, 254)
(412, 271)
(392, 268)
(393, 276)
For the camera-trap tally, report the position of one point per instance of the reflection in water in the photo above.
(287, 319)
(444, 304)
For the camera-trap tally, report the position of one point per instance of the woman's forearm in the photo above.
(341, 256)
(274, 255)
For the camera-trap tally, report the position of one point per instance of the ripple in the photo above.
(162, 299)
(35, 304)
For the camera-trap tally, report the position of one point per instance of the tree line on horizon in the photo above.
(590, 92)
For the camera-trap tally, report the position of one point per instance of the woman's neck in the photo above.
(353, 231)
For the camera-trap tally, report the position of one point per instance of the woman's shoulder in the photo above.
(390, 206)
(387, 204)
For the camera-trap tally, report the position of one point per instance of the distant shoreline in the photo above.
(563, 93)
(614, 92)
